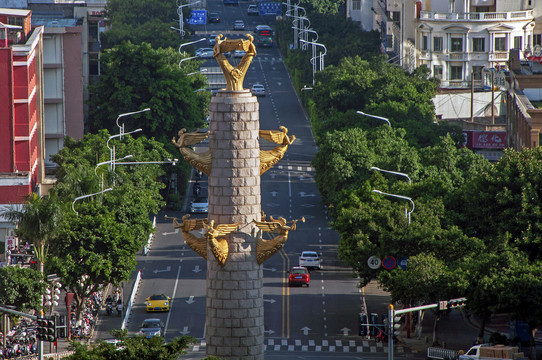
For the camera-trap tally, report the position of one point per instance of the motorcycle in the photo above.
(109, 309)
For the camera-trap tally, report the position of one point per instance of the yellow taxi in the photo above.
(158, 302)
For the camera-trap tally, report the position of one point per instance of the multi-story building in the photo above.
(457, 39)
(21, 115)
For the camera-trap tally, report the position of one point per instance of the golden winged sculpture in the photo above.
(201, 161)
(198, 244)
(219, 247)
(234, 75)
(267, 248)
(268, 158)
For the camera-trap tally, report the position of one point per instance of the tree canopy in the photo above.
(135, 77)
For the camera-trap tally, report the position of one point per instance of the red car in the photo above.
(298, 276)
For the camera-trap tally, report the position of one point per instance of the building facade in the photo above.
(22, 138)
(456, 39)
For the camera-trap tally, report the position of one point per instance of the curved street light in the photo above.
(407, 215)
(111, 162)
(374, 116)
(86, 196)
(197, 72)
(190, 43)
(188, 58)
(392, 172)
(121, 127)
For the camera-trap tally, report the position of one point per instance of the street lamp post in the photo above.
(86, 196)
(112, 152)
(189, 43)
(374, 116)
(392, 172)
(121, 127)
(407, 214)
(188, 58)
(181, 20)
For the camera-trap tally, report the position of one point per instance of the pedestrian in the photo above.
(119, 307)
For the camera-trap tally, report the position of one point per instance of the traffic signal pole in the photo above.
(391, 321)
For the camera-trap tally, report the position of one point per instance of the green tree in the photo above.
(98, 246)
(21, 287)
(128, 348)
(141, 21)
(37, 222)
(136, 77)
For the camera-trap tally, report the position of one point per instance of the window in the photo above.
(395, 16)
(356, 4)
(457, 44)
(456, 72)
(389, 41)
(537, 39)
(437, 43)
(424, 42)
(482, 9)
(517, 42)
(477, 72)
(437, 71)
(500, 44)
(478, 44)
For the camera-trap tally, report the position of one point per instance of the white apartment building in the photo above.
(458, 40)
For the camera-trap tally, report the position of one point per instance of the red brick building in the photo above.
(21, 109)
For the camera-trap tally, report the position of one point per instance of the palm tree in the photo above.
(37, 222)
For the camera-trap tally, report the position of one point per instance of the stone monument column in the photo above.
(233, 242)
(235, 318)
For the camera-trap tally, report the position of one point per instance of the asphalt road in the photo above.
(322, 318)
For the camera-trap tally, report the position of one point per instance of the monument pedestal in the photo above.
(235, 317)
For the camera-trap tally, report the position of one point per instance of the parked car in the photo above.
(213, 18)
(257, 90)
(158, 302)
(151, 327)
(253, 10)
(298, 276)
(239, 25)
(310, 260)
(199, 206)
(205, 53)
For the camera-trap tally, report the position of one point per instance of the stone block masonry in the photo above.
(235, 317)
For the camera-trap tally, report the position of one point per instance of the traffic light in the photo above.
(456, 303)
(51, 329)
(395, 324)
(42, 328)
(362, 325)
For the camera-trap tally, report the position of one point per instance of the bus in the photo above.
(264, 36)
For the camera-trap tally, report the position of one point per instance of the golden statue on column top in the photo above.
(234, 75)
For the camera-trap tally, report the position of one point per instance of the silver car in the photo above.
(310, 260)
(200, 206)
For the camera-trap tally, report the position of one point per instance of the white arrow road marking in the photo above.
(305, 330)
(345, 331)
(269, 332)
(269, 300)
(185, 331)
(307, 217)
(274, 193)
(308, 205)
(190, 300)
(159, 271)
(272, 269)
(196, 269)
(272, 205)
(304, 194)
(171, 233)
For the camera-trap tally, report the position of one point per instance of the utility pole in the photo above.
(472, 96)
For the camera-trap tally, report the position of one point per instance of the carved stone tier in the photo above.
(235, 317)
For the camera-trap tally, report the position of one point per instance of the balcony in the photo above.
(457, 56)
(486, 16)
(498, 56)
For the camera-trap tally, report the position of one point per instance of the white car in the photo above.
(199, 206)
(257, 90)
(239, 53)
(205, 53)
(239, 25)
(310, 260)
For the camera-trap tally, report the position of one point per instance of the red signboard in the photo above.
(485, 139)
